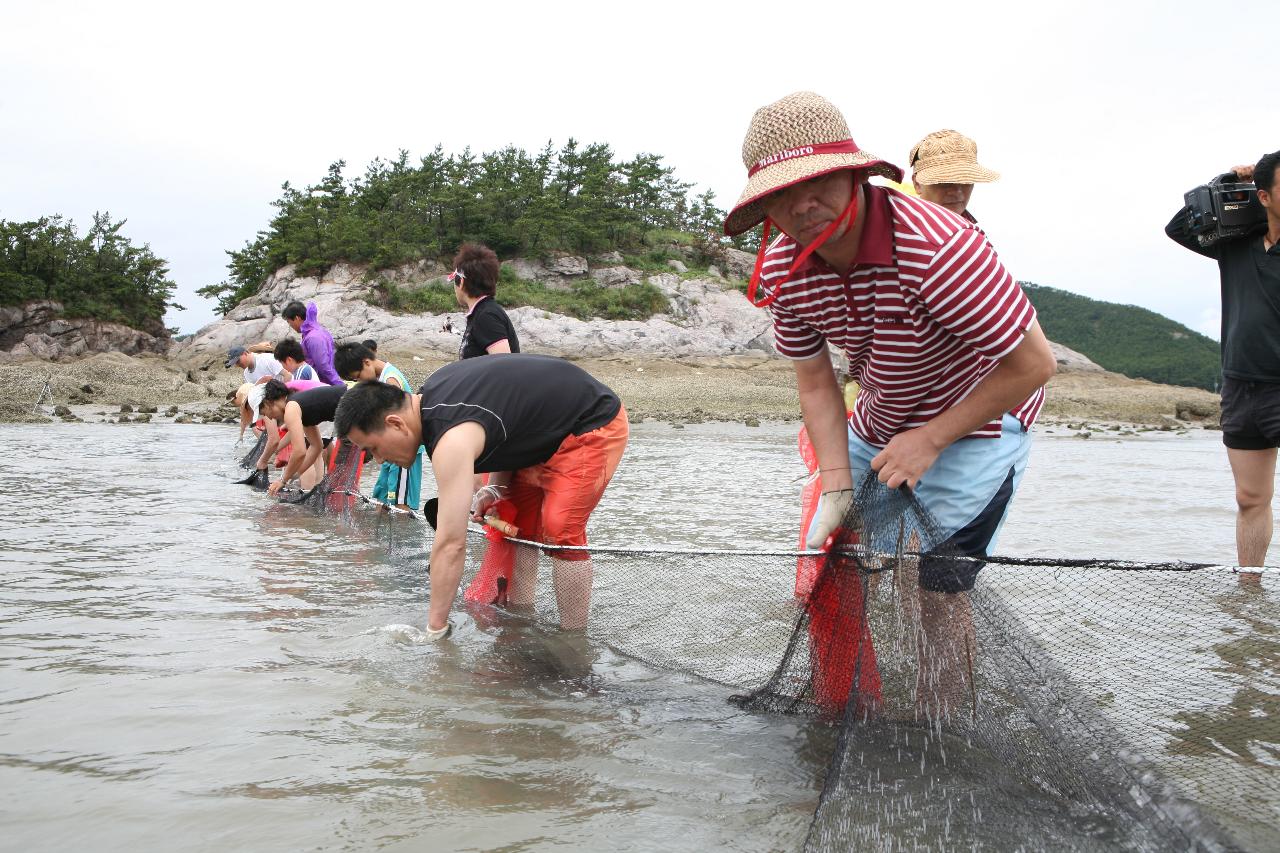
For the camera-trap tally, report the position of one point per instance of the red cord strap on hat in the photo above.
(850, 213)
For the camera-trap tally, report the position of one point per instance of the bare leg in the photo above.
(947, 647)
(572, 580)
(1254, 472)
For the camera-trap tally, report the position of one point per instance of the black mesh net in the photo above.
(1049, 707)
(250, 459)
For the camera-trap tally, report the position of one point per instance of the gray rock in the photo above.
(616, 276)
(142, 419)
(612, 259)
(125, 407)
(61, 411)
(678, 266)
(568, 265)
(148, 410)
(182, 419)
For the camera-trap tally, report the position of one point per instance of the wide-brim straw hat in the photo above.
(948, 157)
(791, 140)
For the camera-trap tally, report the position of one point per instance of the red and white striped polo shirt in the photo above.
(924, 314)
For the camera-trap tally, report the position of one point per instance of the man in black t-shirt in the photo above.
(548, 433)
(1250, 271)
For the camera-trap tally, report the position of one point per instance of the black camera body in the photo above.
(1224, 209)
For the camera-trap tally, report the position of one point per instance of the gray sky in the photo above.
(185, 119)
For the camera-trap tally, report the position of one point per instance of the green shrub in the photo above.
(586, 300)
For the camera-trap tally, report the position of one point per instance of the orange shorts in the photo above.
(554, 500)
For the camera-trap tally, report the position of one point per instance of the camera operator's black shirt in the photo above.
(527, 404)
(1250, 302)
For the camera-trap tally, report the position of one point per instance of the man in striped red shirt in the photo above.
(942, 342)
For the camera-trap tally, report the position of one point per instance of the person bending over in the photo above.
(257, 366)
(550, 435)
(317, 343)
(289, 353)
(300, 414)
(396, 486)
(944, 345)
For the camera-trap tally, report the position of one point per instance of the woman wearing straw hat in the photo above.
(944, 168)
(944, 345)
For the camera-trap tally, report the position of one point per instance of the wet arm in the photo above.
(822, 405)
(453, 462)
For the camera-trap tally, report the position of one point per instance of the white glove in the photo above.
(485, 497)
(832, 509)
(433, 634)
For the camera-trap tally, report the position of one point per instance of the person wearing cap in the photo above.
(944, 168)
(300, 414)
(475, 283)
(258, 366)
(249, 402)
(549, 434)
(949, 359)
(317, 343)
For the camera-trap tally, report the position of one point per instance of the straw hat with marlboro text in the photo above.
(948, 157)
(797, 138)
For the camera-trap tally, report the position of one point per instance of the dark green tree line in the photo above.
(101, 275)
(578, 199)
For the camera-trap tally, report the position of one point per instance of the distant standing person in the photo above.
(396, 486)
(289, 353)
(317, 343)
(257, 366)
(475, 281)
(944, 168)
(1249, 268)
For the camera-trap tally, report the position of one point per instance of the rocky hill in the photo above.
(707, 316)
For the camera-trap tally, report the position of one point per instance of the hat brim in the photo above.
(954, 173)
(749, 211)
(232, 360)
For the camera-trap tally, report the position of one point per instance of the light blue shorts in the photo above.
(964, 478)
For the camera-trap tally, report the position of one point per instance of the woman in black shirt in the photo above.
(475, 280)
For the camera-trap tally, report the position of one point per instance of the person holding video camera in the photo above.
(1249, 263)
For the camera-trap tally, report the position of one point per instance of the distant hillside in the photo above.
(1127, 339)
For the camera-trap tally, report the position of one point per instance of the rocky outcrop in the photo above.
(705, 317)
(39, 330)
(1070, 361)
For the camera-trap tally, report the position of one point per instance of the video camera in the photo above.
(1223, 209)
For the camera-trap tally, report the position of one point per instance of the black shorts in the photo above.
(938, 573)
(1250, 414)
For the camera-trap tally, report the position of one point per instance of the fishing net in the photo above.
(339, 489)
(250, 459)
(1098, 706)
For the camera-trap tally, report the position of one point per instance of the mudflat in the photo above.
(731, 388)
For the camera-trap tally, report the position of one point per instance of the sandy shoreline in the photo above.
(741, 389)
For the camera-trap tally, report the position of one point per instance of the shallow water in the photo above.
(184, 666)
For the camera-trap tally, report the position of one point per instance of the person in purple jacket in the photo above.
(317, 343)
